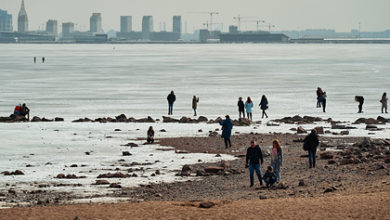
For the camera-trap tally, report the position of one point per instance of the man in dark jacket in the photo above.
(310, 144)
(241, 108)
(360, 99)
(171, 99)
(227, 126)
(254, 158)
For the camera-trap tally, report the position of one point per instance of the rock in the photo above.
(242, 122)
(331, 161)
(169, 119)
(346, 161)
(113, 175)
(76, 218)
(387, 159)
(115, 185)
(11, 191)
(182, 152)
(371, 126)
(83, 120)
(301, 183)
(225, 164)
(58, 119)
(102, 182)
(320, 130)
(73, 165)
(202, 119)
(13, 118)
(206, 205)
(380, 167)
(69, 176)
(218, 155)
(344, 132)
(157, 172)
(330, 189)
(131, 145)
(117, 129)
(200, 130)
(36, 119)
(185, 173)
(163, 130)
(262, 197)
(326, 155)
(200, 173)
(213, 169)
(328, 132)
(14, 173)
(121, 118)
(382, 119)
(126, 153)
(337, 126)
(301, 130)
(186, 168)
(213, 134)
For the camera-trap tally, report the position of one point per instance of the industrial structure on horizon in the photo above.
(212, 32)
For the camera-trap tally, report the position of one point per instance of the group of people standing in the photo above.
(248, 106)
(321, 99)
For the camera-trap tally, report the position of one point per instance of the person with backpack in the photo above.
(310, 144)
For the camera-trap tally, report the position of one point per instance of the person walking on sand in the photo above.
(150, 135)
(310, 144)
(248, 108)
(171, 99)
(254, 159)
(384, 100)
(323, 101)
(319, 97)
(227, 126)
(264, 106)
(276, 158)
(195, 101)
(241, 108)
(360, 99)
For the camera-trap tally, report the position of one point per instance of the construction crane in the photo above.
(239, 18)
(211, 13)
(207, 24)
(258, 22)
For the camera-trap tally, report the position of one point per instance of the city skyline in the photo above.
(284, 15)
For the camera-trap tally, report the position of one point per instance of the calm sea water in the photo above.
(106, 80)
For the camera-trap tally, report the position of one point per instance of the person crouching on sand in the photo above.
(227, 126)
(150, 134)
(254, 158)
(269, 177)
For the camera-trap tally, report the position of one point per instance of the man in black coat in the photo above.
(241, 108)
(254, 158)
(310, 144)
(171, 99)
(360, 99)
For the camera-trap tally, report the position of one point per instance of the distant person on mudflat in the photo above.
(276, 158)
(323, 101)
(241, 108)
(254, 158)
(150, 135)
(195, 101)
(35, 59)
(171, 99)
(43, 59)
(384, 100)
(248, 107)
(319, 97)
(227, 126)
(310, 144)
(22, 110)
(269, 177)
(360, 99)
(264, 106)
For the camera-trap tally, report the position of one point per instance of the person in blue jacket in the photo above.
(227, 126)
(248, 108)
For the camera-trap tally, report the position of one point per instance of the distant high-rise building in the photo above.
(147, 27)
(22, 19)
(52, 27)
(67, 29)
(126, 24)
(95, 23)
(5, 21)
(177, 24)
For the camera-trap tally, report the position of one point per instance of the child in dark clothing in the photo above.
(269, 177)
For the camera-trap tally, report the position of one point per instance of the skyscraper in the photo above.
(67, 29)
(126, 24)
(52, 27)
(95, 23)
(22, 19)
(5, 21)
(177, 24)
(147, 27)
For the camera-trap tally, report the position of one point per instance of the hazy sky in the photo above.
(342, 15)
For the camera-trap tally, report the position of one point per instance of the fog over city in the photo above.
(341, 15)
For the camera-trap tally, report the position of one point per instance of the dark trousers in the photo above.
(170, 108)
(360, 107)
(249, 114)
(228, 143)
(264, 113)
(312, 159)
(241, 112)
(252, 168)
(269, 181)
(323, 105)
